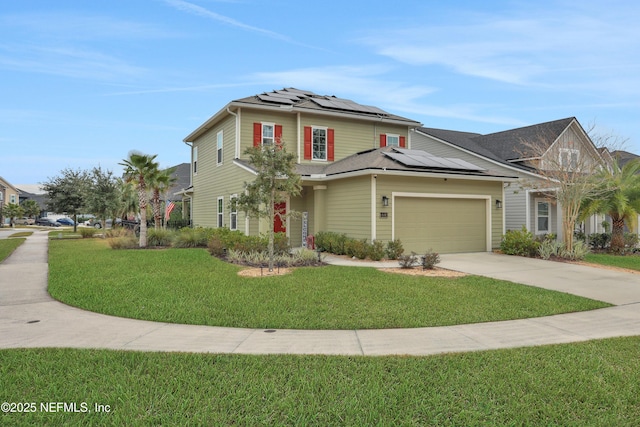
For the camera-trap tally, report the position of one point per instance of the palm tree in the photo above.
(139, 168)
(620, 199)
(160, 182)
(13, 210)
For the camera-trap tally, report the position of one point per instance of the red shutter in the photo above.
(330, 144)
(257, 134)
(403, 141)
(307, 142)
(383, 140)
(278, 134)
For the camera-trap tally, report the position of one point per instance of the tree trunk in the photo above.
(617, 235)
(142, 197)
(272, 216)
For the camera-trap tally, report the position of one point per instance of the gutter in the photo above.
(367, 172)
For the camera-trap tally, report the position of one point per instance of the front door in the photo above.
(279, 225)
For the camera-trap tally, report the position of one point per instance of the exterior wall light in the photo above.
(498, 204)
(385, 201)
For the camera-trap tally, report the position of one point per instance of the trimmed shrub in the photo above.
(519, 243)
(599, 240)
(216, 246)
(394, 249)
(430, 259)
(408, 260)
(328, 241)
(376, 250)
(356, 248)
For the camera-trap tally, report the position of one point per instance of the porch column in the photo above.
(319, 208)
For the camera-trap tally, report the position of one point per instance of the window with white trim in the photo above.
(319, 143)
(194, 156)
(268, 134)
(569, 158)
(543, 217)
(393, 140)
(220, 212)
(219, 150)
(12, 198)
(233, 212)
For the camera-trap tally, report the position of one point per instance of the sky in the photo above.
(83, 83)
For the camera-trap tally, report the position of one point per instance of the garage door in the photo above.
(444, 225)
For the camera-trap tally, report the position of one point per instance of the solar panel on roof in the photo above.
(268, 98)
(284, 95)
(422, 159)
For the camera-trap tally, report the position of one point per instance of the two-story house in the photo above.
(8, 194)
(359, 175)
(525, 152)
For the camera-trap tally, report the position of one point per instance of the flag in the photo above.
(169, 208)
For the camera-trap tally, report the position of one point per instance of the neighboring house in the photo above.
(8, 194)
(564, 143)
(359, 176)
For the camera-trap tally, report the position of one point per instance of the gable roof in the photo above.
(510, 144)
(507, 146)
(6, 183)
(294, 100)
(623, 157)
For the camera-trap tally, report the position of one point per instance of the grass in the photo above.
(189, 286)
(629, 261)
(7, 246)
(594, 383)
(21, 234)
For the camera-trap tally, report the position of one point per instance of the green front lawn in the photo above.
(7, 246)
(191, 287)
(593, 383)
(628, 261)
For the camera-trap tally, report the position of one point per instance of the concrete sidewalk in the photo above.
(29, 317)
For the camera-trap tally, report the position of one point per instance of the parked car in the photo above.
(65, 221)
(47, 222)
(98, 224)
(24, 221)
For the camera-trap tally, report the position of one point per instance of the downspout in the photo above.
(298, 135)
(190, 145)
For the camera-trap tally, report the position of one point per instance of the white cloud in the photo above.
(528, 46)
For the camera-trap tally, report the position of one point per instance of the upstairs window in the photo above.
(266, 134)
(219, 151)
(569, 158)
(318, 143)
(391, 140)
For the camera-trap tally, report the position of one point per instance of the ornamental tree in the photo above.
(276, 180)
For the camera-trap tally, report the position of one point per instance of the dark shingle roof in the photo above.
(512, 144)
(504, 146)
(623, 157)
(304, 99)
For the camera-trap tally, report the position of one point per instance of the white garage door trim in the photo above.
(486, 198)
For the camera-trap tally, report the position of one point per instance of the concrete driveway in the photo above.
(29, 317)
